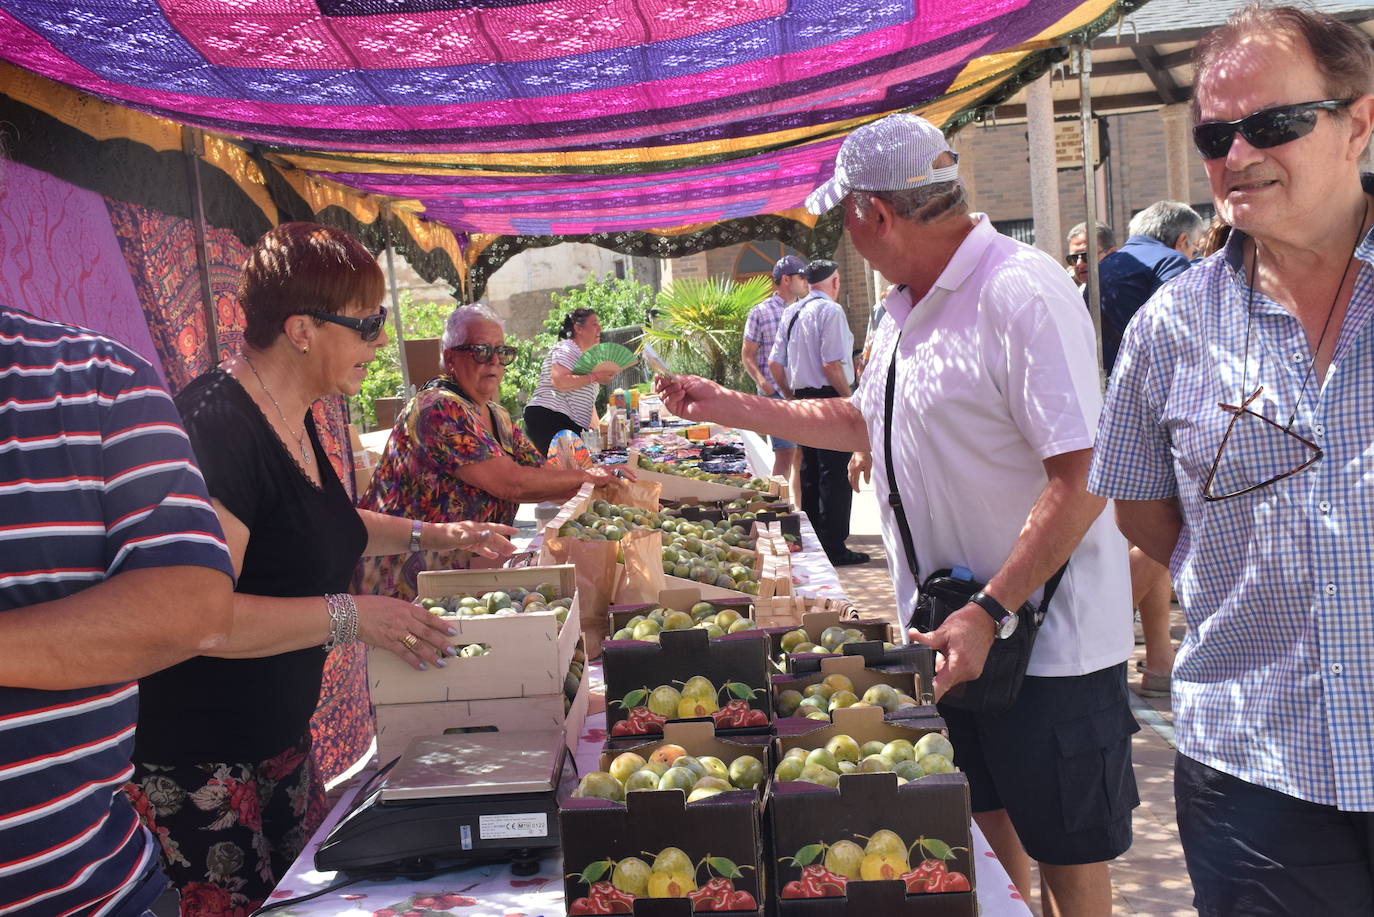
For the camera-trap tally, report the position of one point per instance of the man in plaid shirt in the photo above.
(760, 330)
(1237, 440)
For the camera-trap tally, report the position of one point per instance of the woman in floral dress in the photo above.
(454, 454)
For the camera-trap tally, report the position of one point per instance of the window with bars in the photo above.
(1020, 230)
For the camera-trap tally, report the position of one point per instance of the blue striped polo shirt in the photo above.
(96, 478)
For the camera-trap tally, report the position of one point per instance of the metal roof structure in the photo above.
(1146, 60)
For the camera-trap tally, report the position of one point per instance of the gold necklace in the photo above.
(300, 440)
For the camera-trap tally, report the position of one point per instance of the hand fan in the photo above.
(619, 354)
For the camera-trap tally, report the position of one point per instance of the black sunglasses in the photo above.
(1076, 257)
(368, 327)
(482, 353)
(1266, 128)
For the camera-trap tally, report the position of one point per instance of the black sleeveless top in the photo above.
(304, 541)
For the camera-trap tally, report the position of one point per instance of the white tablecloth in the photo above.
(492, 891)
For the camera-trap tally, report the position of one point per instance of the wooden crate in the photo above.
(529, 652)
(397, 724)
(787, 610)
(575, 506)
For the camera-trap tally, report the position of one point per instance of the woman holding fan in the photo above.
(566, 399)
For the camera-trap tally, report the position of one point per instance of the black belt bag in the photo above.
(946, 591)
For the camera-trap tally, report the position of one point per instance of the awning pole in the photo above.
(192, 144)
(1085, 119)
(395, 301)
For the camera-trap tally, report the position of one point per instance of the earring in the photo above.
(305, 350)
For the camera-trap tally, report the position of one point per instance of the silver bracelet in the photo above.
(343, 619)
(416, 527)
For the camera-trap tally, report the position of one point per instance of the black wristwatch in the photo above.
(1006, 621)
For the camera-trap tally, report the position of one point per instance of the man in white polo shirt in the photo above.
(994, 411)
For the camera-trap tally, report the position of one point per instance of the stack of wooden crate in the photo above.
(525, 679)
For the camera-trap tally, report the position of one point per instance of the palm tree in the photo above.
(699, 325)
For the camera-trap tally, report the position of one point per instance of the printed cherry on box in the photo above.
(526, 654)
(869, 845)
(815, 624)
(656, 855)
(725, 679)
(905, 683)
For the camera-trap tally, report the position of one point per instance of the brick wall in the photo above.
(1135, 170)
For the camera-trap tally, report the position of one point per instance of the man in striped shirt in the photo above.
(112, 566)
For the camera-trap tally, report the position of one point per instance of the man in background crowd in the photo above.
(814, 353)
(1160, 248)
(760, 330)
(1077, 257)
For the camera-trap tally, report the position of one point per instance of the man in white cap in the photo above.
(989, 356)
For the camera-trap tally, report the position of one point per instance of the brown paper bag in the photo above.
(596, 576)
(643, 494)
(643, 577)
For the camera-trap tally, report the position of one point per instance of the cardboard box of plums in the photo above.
(683, 600)
(687, 675)
(824, 633)
(652, 852)
(865, 842)
(843, 681)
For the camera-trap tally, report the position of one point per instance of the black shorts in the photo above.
(1261, 853)
(1059, 762)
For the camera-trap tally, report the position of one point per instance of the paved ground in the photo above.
(1150, 880)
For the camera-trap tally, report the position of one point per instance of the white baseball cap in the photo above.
(892, 154)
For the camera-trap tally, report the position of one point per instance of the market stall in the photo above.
(724, 530)
(493, 890)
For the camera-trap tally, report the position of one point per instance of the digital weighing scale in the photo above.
(453, 800)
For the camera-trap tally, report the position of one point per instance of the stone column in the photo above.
(1044, 177)
(1178, 150)
(962, 144)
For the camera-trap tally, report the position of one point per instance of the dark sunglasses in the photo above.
(368, 327)
(1076, 257)
(1268, 127)
(482, 353)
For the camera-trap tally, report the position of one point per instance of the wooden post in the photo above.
(395, 300)
(1084, 57)
(193, 145)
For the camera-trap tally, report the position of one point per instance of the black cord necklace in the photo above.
(1326, 325)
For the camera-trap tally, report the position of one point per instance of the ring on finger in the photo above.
(410, 641)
